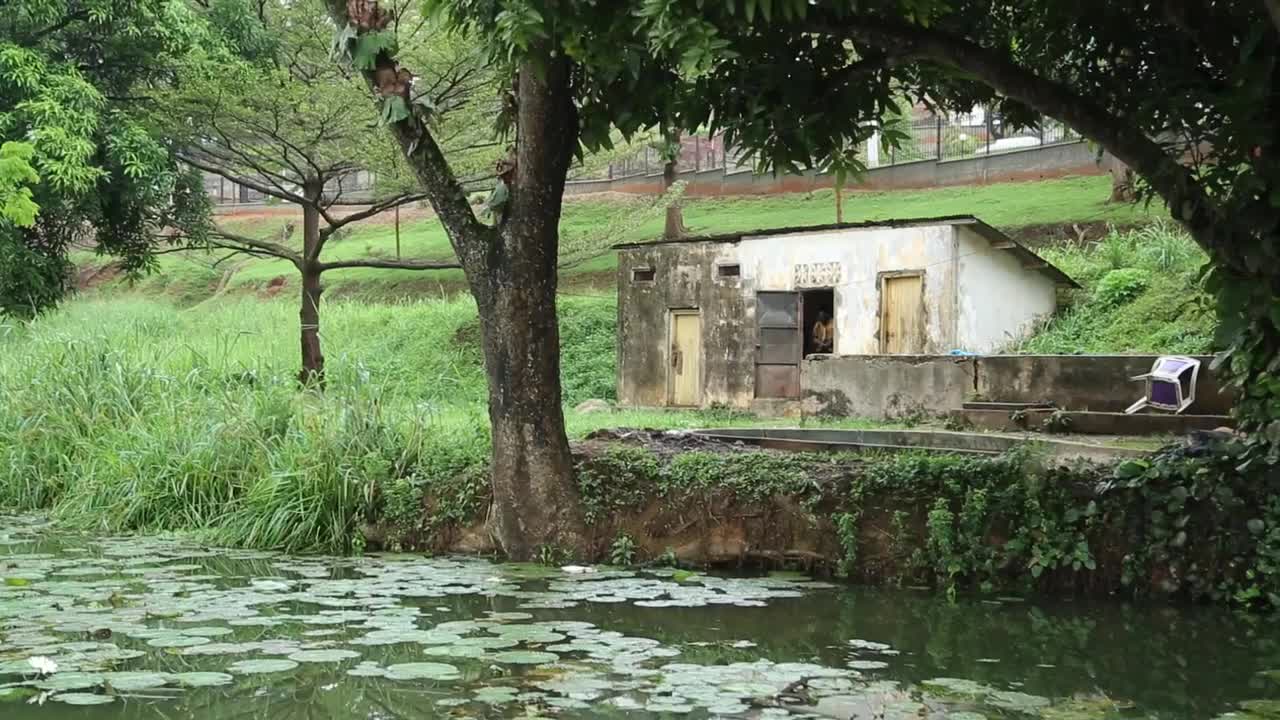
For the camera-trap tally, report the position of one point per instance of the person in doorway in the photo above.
(824, 333)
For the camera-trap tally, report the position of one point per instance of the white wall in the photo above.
(768, 263)
(999, 300)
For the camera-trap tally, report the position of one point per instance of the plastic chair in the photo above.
(1171, 384)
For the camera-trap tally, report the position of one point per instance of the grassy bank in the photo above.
(1141, 294)
(136, 415)
(1186, 524)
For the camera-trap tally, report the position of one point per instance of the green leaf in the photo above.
(394, 110)
(370, 45)
(340, 50)
(498, 197)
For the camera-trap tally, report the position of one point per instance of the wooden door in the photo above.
(902, 327)
(779, 346)
(686, 358)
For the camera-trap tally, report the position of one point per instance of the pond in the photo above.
(161, 628)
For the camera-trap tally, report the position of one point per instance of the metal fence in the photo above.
(221, 191)
(929, 137)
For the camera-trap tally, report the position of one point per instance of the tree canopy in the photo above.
(73, 79)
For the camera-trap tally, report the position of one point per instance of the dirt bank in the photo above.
(950, 521)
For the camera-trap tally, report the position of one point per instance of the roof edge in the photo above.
(988, 232)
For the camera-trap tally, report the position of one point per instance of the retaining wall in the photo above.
(897, 386)
(1037, 163)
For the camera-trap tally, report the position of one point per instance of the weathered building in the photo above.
(726, 320)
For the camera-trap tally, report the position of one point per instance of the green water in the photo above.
(156, 628)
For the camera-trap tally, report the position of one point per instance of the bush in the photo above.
(1121, 286)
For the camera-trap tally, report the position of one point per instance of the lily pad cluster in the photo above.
(91, 621)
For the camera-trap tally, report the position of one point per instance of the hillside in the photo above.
(1033, 212)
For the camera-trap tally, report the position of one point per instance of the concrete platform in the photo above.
(1087, 422)
(943, 441)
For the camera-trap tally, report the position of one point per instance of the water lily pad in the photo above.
(133, 681)
(1016, 701)
(323, 656)
(422, 671)
(525, 657)
(84, 699)
(16, 694)
(202, 679)
(178, 641)
(1265, 708)
(70, 681)
(254, 667)
(496, 695)
(956, 687)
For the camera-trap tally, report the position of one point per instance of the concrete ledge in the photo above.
(1091, 423)
(944, 441)
(894, 387)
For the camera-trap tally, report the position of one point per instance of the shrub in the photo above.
(1121, 286)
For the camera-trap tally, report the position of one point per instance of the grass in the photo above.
(189, 278)
(132, 414)
(1141, 294)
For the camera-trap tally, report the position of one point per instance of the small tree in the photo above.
(669, 147)
(296, 127)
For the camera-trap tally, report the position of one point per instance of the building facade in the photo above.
(727, 320)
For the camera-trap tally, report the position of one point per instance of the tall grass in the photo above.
(132, 415)
(1141, 294)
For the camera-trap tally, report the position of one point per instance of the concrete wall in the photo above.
(1037, 163)
(1087, 382)
(891, 387)
(684, 278)
(885, 386)
(769, 263)
(998, 300)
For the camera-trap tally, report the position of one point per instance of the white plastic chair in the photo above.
(1171, 384)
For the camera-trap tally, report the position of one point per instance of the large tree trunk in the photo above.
(511, 269)
(312, 373)
(535, 498)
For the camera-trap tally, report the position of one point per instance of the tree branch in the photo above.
(467, 234)
(374, 209)
(273, 190)
(1174, 182)
(243, 243)
(389, 264)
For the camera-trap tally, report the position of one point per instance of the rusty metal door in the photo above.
(686, 358)
(779, 346)
(902, 327)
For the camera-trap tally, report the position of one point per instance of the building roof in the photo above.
(998, 240)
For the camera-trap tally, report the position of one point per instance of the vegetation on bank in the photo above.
(130, 414)
(134, 415)
(1143, 292)
(1187, 523)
